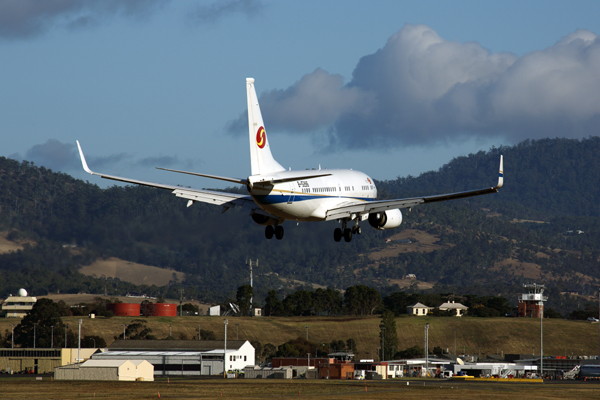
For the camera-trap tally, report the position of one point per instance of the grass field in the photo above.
(29, 388)
(491, 335)
(138, 274)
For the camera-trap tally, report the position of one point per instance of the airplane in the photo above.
(276, 194)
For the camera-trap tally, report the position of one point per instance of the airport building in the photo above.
(183, 357)
(40, 361)
(107, 370)
(18, 306)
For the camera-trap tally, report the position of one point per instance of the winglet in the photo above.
(501, 174)
(85, 166)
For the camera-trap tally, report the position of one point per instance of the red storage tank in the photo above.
(160, 310)
(124, 309)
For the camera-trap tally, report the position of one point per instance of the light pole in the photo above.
(124, 327)
(34, 325)
(199, 333)
(94, 342)
(12, 328)
(79, 321)
(306, 326)
(427, 349)
(170, 331)
(66, 327)
(308, 361)
(225, 349)
(237, 331)
(52, 337)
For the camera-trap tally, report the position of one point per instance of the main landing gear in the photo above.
(346, 233)
(271, 230)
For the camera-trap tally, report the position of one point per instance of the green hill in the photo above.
(483, 245)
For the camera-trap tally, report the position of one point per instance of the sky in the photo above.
(390, 88)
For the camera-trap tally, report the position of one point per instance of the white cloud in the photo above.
(420, 89)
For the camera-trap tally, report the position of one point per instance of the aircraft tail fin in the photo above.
(261, 159)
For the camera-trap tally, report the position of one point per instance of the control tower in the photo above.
(532, 304)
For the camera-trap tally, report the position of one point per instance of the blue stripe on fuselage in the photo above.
(278, 198)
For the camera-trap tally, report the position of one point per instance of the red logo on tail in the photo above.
(261, 137)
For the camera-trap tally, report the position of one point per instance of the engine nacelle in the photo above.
(263, 219)
(385, 219)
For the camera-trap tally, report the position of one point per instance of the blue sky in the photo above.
(390, 88)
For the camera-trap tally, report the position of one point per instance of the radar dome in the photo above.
(22, 292)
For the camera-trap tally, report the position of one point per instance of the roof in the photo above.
(174, 345)
(453, 306)
(419, 305)
(104, 363)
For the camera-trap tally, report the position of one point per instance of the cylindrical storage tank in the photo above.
(124, 309)
(160, 310)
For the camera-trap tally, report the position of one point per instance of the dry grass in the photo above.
(491, 335)
(28, 388)
(127, 271)
(425, 244)
(7, 246)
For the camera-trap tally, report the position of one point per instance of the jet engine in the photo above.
(263, 219)
(385, 219)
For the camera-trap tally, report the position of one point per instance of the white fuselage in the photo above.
(309, 199)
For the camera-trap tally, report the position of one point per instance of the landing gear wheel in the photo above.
(279, 232)
(356, 230)
(337, 234)
(348, 234)
(269, 231)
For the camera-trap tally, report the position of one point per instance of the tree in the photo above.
(37, 325)
(388, 335)
(93, 341)
(243, 298)
(361, 300)
(411, 352)
(137, 330)
(206, 334)
(273, 306)
(351, 345)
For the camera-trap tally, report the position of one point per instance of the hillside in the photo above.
(492, 335)
(489, 244)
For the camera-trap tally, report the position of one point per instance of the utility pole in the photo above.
(454, 341)
(306, 326)
(427, 349)
(34, 325)
(79, 321)
(199, 333)
(52, 337)
(12, 328)
(383, 343)
(124, 327)
(225, 350)
(66, 327)
(181, 303)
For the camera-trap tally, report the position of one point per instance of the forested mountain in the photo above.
(488, 244)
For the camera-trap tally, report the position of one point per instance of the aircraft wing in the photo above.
(227, 200)
(367, 207)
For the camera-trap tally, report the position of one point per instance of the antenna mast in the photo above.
(249, 262)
